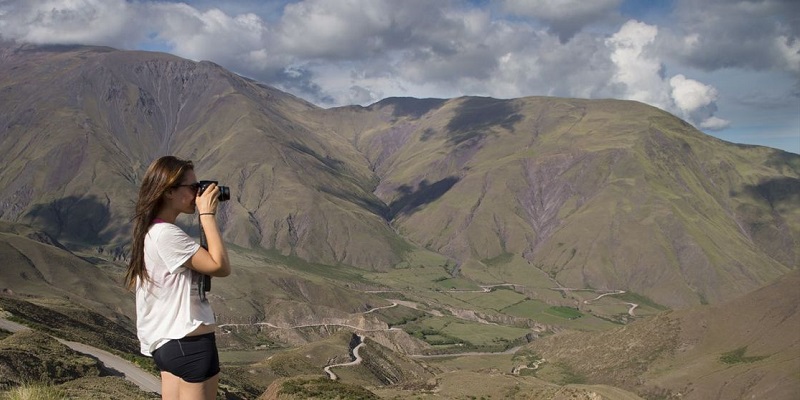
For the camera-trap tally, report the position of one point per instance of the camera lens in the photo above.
(224, 193)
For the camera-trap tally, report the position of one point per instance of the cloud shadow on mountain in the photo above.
(477, 115)
(777, 191)
(410, 200)
(75, 218)
(410, 107)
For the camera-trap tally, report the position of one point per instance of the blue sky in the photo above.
(729, 67)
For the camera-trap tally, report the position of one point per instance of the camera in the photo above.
(224, 191)
(204, 284)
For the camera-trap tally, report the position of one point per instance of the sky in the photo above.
(731, 68)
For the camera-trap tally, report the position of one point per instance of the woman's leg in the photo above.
(170, 386)
(206, 390)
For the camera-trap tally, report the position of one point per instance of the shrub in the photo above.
(737, 356)
(27, 392)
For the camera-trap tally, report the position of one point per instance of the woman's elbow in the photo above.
(222, 271)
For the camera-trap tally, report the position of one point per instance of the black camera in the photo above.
(224, 191)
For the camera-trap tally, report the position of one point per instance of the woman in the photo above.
(174, 321)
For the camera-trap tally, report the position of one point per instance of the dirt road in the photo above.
(125, 368)
(357, 360)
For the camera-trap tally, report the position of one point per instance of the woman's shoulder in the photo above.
(165, 228)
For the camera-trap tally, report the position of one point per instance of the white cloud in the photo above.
(637, 69)
(690, 95)
(336, 52)
(789, 48)
(333, 29)
(564, 17)
(696, 102)
(640, 74)
(69, 21)
(754, 34)
(210, 35)
(714, 124)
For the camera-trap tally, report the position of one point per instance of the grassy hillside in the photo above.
(79, 139)
(597, 194)
(601, 194)
(744, 348)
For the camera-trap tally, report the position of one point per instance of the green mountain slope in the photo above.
(602, 194)
(605, 194)
(80, 125)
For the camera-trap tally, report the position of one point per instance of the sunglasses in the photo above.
(194, 186)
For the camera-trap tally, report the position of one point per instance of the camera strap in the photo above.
(204, 283)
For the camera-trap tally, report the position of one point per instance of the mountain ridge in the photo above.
(599, 166)
(604, 194)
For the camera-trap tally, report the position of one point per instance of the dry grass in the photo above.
(33, 392)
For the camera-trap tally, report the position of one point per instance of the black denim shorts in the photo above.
(192, 358)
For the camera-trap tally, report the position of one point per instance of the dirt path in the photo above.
(357, 360)
(509, 351)
(536, 364)
(631, 306)
(12, 326)
(411, 304)
(604, 295)
(381, 308)
(144, 380)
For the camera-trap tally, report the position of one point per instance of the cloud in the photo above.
(751, 34)
(640, 76)
(789, 49)
(714, 124)
(689, 94)
(564, 17)
(95, 22)
(210, 35)
(638, 71)
(690, 59)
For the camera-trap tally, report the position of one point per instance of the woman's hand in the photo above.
(208, 201)
(214, 260)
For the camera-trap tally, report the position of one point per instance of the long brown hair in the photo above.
(162, 175)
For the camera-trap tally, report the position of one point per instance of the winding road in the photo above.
(141, 378)
(516, 370)
(151, 383)
(356, 360)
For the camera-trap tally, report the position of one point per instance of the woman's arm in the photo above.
(213, 261)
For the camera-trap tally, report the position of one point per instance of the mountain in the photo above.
(602, 194)
(745, 348)
(562, 247)
(81, 124)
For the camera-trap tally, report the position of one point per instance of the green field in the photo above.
(452, 331)
(556, 315)
(564, 312)
(497, 299)
(457, 284)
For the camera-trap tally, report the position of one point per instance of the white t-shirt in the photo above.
(169, 307)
